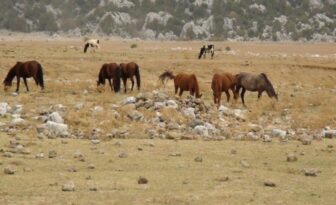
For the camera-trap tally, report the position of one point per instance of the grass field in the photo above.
(304, 75)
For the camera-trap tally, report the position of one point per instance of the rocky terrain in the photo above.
(75, 143)
(177, 19)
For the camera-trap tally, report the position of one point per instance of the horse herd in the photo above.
(221, 82)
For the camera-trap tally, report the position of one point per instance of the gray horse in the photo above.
(254, 83)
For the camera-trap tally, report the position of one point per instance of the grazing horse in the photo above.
(223, 82)
(25, 70)
(255, 83)
(182, 81)
(207, 49)
(93, 43)
(128, 71)
(110, 71)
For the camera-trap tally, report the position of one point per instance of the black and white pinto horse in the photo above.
(93, 43)
(207, 49)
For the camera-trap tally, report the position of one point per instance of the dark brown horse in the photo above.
(25, 70)
(110, 71)
(184, 82)
(128, 71)
(255, 83)
(223, 82)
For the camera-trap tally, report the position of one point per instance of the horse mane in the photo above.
(166, 75)
(11, 73)
(269, 84)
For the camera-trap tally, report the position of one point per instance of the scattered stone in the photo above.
(223, 179)
(267, 138)
(306, 140)
(135, 115)
(72, 169)
(329, 133)
(64, 141)
(129, 100)
(201, 130)
(175, 154)
(69, 186)
(279, 133)
(9, 170)
(39, 155)
(8, 154)
(93, 188)
(123, 155)
(142, 180)
(55, 117)
(172, 104)
(310, 172)
(173, 135)
(233, 151)
(57, 129)
(139, 149)
(95, 141)
(269, 183)
(91, 166)
(4, 108)
(198, 159)
(291, 157)
(244, 164)
(27, 169)
(189, 112)
(52, 154)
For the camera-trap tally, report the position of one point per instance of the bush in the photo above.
(134, 45)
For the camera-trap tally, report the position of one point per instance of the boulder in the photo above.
(329, 133)
(4, 108)
(135, 115)
(57, 129)
(55, 117)
(172, 104)
(201, 130)
(9, 170)
(69, 186)
(189, 112)
(129, 100)
(278, 133)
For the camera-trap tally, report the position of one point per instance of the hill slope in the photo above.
(177, 19)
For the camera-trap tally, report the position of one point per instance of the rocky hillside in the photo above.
(176, 19)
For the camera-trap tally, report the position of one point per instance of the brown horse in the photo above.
(110, 71)
(184, 82)
(255, 83)
(25, 70)
(223, 82)
(128, 71)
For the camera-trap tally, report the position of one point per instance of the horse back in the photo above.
(28, 69)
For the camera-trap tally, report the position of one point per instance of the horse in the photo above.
(25, 70)
(223, 82)
(207, 49)
(254, 83)
(184, 82)
(128, 71)
(93, 43)
(110, 71)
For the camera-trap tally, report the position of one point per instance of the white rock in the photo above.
(329, 133)
(58, 129)
(201, 130)
(69, 186)
(172, 104)
(129, 100)
(97, 109)
(17, 109)
(189, 112)
(55, 117)
(4, 108)
(159, 105)
(278, 133)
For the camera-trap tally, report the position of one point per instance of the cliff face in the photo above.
(176, 19)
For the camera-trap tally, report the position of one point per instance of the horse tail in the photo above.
(39, 76)
(196, 87)
(137, 75)
(167, 74)
(116, 80)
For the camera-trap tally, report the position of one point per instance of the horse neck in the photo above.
(100, 76)
(269, 89)
(11, 74)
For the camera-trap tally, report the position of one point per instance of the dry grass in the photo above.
(306, 87)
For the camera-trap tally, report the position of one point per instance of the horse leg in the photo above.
(176, 89)
(181, 92)
(227, 95)
(124, 82)
(132, 80)
(110, 81)
(219, 97)
(259, 94)
(17, 83)
(25, 82)
(242, 96)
